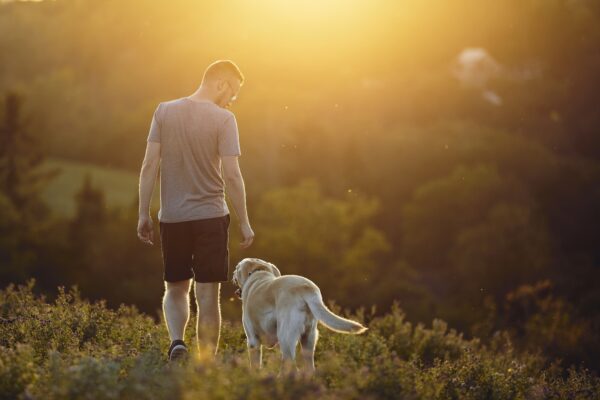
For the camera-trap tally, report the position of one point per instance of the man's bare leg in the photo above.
(176, 307)
(209, 317)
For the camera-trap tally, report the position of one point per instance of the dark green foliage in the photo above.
(78, 350)
(24, 217)
(323, 238)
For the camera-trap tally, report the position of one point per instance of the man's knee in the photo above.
(180, 288)
(207, 294)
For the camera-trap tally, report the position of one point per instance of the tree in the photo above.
(325, 239)
(87, 234)
(90, 215)
(21, 179)
(24, 220)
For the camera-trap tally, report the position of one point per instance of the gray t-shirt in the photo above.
(193, 137)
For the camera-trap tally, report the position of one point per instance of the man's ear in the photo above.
(221, 85)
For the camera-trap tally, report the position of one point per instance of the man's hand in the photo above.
(145, 230)
(247, 235)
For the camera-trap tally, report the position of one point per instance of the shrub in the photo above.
(78, 350)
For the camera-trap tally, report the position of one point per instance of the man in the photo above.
(193, 138)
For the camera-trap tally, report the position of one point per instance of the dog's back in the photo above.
(306, 290)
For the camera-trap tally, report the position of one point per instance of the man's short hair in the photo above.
(222, 69)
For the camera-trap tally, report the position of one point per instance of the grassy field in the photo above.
(120, 187)
(71, 349)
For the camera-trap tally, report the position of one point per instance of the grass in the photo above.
(73, 349)
(119, 186)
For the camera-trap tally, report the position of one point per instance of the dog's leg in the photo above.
(308, 341)
(254, 345)
(255, 353)
(288, 356)
(288, 335)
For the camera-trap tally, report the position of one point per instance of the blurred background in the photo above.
(443, 155)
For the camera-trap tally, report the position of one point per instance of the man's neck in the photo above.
(201, 95)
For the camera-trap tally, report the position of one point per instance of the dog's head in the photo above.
(246, 267)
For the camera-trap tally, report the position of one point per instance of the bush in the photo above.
(78, 350)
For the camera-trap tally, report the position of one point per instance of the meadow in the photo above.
(119, 185)
(73, 349)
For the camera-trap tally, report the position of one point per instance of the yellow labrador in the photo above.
(285, 310)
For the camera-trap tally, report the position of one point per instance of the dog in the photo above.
(283, 310)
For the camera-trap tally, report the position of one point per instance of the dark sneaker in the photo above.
(177, 351)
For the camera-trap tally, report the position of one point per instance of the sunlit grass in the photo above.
(73, 349)
(119, 186)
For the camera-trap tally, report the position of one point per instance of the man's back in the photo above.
(194, 135)
(190, 139)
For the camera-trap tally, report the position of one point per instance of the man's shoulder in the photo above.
(183, 102)
(228, 114)
(163, 106)
(170, 103)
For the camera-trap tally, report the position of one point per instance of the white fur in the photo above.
(285, 310)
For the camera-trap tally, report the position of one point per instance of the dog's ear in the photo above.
(261, 265)
(258, 265)
(238, 273)
(234, 278)
(275, 270)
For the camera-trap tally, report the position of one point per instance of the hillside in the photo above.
(119, 186)
(77, 350)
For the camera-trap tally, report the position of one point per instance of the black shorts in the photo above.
(196, 249)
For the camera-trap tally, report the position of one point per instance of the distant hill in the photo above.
(120, 186)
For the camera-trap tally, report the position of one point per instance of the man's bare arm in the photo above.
(148, 176)
(236, 191)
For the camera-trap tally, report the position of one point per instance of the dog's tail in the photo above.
(334, 322)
